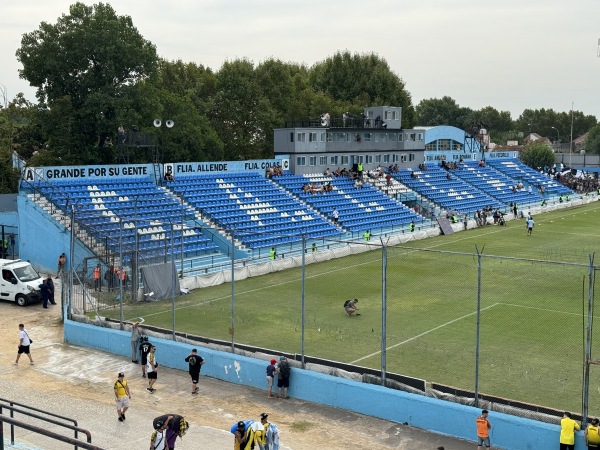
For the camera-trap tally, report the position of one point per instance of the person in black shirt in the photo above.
(174, 425)
(195, 361)
(45, 293)
(145, 347)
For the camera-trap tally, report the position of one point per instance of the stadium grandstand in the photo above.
(130, 215)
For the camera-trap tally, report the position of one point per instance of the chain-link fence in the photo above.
(478, 324)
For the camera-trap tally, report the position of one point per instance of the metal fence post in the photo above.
(232, 328)
(383, 311)
(120, 272)
(303, 292)
(477, 327)
(173, 278)
(69, 298)
(587, 359)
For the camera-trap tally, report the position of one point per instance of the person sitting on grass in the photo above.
(350, 307)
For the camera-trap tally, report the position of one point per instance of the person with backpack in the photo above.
(350, 307)
(283, 380)
(172, 425)
(269, 439)
(270, 375)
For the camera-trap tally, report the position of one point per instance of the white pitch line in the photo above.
(423, 334)
(441, 244)
(542, 309)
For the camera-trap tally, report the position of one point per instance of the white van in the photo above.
(20, 282)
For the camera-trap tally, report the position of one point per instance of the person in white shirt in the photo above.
(24, 343)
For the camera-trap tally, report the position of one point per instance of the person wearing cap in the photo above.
(172, 425)
(240, 437)
(136, 334)
(195, 362)
(269, 439)
(151, 367)
(270, 375)
(145, 347)
(122, 396)
(283, 379)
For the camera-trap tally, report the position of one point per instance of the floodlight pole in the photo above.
(303, 280)
(571, 143)
(477, 327)
(558, 136)
(383, 311)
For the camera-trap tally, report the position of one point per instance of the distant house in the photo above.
(534, 137)
(579, 142)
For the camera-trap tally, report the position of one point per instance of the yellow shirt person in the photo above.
(591, 435)
(568, 427)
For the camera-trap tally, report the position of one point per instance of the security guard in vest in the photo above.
(412, 227)
(98, 278)
(360, 170)
(272, 254)
(367, 236)
(314, 248)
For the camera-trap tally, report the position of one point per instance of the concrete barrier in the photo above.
(438, 416)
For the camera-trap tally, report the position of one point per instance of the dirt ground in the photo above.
(78, 383)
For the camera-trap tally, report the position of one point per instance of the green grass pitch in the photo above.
(532, 319)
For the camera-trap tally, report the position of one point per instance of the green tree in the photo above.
(83, 67)
(549, 123)
(180, 92)
(362, 80)
(592, 143)
(242, 116)
(537, 155)
(444, 111)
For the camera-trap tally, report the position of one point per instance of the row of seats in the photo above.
(495, 184)
(519, 171)
(101, 206)
(249, 201)
(446, 189)
(358, 208)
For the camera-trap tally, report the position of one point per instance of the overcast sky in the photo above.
(508, 54)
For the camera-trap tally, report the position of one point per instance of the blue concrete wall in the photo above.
(508, 432)
(42, 239)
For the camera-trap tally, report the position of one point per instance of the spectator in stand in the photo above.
(169, 174)
(335, 215)
(388, 179)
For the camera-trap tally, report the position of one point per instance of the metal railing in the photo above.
(46, 417)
